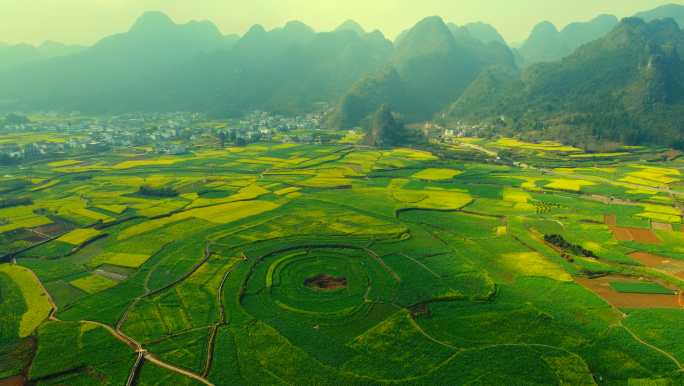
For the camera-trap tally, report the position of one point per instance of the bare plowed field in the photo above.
(644, 236)
(659, 263)
(610, 220)
(662, 226)
(648, 259)
(620, 234)
(601, 288)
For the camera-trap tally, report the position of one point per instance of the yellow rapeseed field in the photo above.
(322, 182)
(132, 164)
(113, 208)
(286, 190)
(128, 260)
(37, 302)
(93, 284)
(64, 163)
(436, 174)
(660, 209)
(515, 195)
(648, 175)
(220, 214)
(569, 184)
(89, 214)
(45, 186)
(599, 155)
(79, 236)
(660, 217)
(546, 146)
(641, 181)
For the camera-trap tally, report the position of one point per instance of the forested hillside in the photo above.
(432, 65)
(625, 87)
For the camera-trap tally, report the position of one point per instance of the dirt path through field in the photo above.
(143, 352)
(649, 345)
(153, 359)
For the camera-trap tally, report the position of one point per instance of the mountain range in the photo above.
(627, 86)
(429, 69)
(14, 55)
(547, 44)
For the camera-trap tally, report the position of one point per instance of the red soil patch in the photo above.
(662, 226)
(620, 234)
(35, 239)
(48, 228)
(601, 288)
(12, 381)
(609, 220)
(660, 263)
(644, 236)
(326, 282)
(672, 154)
(648, 259)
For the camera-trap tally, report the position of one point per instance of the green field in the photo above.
(413, 272)
(639, 288)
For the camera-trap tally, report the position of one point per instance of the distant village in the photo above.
(171, 133)
(165, 132)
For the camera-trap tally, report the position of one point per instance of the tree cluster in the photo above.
(16, 119)
(15, 201)
(561, 243)
(147, 190)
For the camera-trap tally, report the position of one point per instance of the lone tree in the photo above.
(240, 142)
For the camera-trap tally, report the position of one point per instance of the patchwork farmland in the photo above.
(327, 265)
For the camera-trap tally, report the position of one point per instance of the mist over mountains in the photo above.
(431, 68)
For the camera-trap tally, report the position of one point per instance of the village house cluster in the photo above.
(166, 132)
(96, 136)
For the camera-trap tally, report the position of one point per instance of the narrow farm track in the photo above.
(143, 352)
(122, 337)
(153, 359)
(379, 260)
(649, 345)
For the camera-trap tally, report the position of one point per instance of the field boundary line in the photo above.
(220, 290)
(423, 265)
(373, 255)
(275, 376)
(428, 336)
(210, 352)
(649, 345)
(150, 293)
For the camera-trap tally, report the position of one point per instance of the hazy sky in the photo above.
(87, 21)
